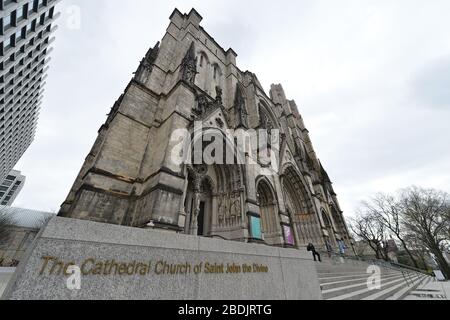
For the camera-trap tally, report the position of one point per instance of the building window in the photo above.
(18, 36)
(6, 22)
(6, 44)
(20, 14)
(30, 7)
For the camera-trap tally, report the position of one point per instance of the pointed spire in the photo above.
(146, 66)
(152, 54)
(188, 68)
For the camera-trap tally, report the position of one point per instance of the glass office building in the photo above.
(26, 27)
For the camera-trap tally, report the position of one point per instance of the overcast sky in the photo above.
(371, 79)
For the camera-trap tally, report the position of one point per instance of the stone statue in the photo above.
(219, 93)
(202, 105)
(239, 106)
(146, 66)
(197, 173)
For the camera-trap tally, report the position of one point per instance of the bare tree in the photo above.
(371, 231)
(388, 211)
(418, 249)
(426, 215)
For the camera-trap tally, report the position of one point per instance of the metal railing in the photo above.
(404, 269)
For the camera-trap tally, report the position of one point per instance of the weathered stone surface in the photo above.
(290, 273)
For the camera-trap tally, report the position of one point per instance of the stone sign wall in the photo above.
(75, 259)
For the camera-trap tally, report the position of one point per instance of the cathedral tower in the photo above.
(130, 176)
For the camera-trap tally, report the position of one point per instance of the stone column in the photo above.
(196, 211)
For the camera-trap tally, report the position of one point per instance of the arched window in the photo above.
(216, 77)
(326, 220)
(203, 77)
(266, 120)
(203, 61)
(217, 73)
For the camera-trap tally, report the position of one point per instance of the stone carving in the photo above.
(229, 209)
(220, 122)
(204, 104)
(240, 109)
(146, 66)
(189, 66)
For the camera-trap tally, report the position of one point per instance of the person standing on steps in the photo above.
(342, 247)
(315, 254)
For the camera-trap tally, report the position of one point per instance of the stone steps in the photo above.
(396, 290)
(354, 281)
(360, 290)
(402, 293)
(429, 289)
(345, 279)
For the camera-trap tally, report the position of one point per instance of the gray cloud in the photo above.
(432, 84)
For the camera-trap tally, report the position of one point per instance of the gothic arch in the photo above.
(203, 77)
(203, 60)
(266, 116)
(229, 144)
(227, 195)
(268, 205)
(299, 204)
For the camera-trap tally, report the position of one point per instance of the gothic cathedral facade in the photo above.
(129, 177)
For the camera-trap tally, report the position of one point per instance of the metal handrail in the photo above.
(386, 264)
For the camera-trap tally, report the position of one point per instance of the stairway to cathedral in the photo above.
(347, 279)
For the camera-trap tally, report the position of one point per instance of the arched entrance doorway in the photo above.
(269, 213)
(301, 209)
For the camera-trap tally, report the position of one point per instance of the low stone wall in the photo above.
(115, 262)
